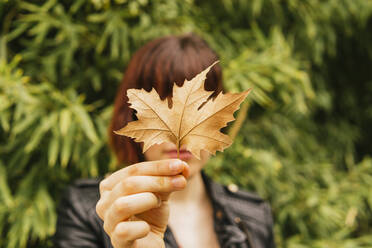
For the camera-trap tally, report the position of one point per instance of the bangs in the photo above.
(175, 59)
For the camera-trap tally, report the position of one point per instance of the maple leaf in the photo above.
(185, 122)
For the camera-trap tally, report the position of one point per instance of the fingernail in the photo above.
(175, 165)
(178, 182)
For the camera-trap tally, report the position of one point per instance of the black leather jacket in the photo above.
(241, 219)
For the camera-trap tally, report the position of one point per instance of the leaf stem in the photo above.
(178, 148)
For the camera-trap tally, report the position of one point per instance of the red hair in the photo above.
(159, 64)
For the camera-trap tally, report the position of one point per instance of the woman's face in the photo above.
(169, 151)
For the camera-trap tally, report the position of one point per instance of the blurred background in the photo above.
(305, 134)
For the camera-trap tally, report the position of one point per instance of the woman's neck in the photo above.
(191, 215)
(194, 193)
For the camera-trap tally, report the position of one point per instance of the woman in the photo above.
(159, 200)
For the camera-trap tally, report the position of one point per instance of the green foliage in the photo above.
(304, 144)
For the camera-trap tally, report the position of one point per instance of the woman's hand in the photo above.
(133, 203)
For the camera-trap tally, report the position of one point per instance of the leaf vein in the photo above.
(205, 136)
(154, 112)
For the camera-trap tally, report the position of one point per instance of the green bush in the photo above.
(304, 134)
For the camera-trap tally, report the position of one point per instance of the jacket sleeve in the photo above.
(75, 227)
(269, 220)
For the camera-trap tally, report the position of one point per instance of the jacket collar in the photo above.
(227, 223)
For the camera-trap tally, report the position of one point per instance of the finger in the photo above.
(168, 167)
(127, 206)
(102, 204)
(125, 233)
(139, 184)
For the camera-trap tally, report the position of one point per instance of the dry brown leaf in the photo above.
(183, 123)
